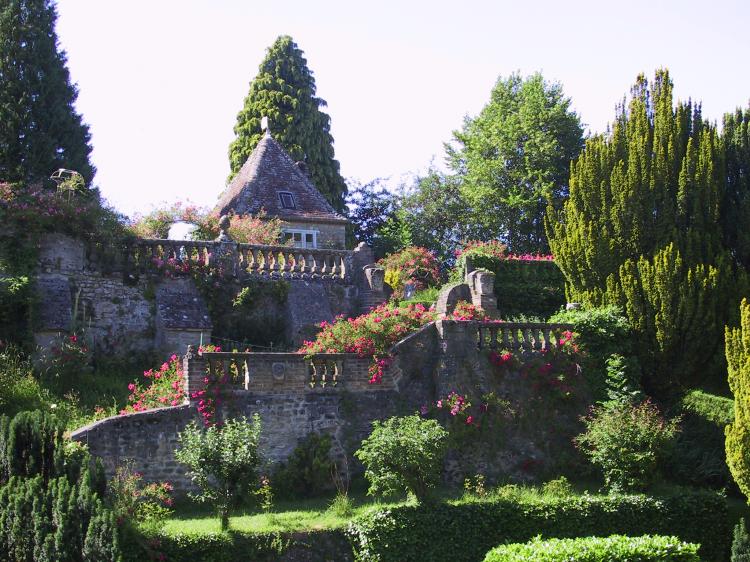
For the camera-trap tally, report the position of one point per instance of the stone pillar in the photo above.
(482, 286)
(449, 297)
(225, 254)
(194, 371)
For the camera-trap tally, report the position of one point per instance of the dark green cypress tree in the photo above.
(284, 91)
(41, 130)
(741, 543)
(641, 229)
(736, 208)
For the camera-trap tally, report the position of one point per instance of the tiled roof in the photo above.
(268, 171)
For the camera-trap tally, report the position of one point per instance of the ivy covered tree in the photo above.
(41, 130)
(738, 432)
(641, 229)
(513, 159)
(284, 91)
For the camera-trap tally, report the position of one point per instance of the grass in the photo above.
(288, 516)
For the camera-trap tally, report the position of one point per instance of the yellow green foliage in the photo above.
(738, 433)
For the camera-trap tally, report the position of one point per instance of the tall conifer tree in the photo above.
(736, 209)
(738, 432)
(284, 91)
(641, 229)
(41, 130)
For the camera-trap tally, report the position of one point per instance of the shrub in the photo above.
(738, 433)
(411, 265)
(600, 333)
(67, 361)
(740, 543)
(627, 442)
(370, 335)
(134, 501)
(404, 455)
(699, 457)
(308, 470)
(466, 531)
(222, 462)
(50, 506)
(165, 388)
(19, 389)
(15, 301)
(616, 548)
(524, 284)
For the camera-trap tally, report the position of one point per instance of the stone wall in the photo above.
(528, 437)
(132, 306)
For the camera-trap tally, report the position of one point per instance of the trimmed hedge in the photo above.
(233, 546)
(467, 531)
(531, 288)
(616, 548)
(699, 458)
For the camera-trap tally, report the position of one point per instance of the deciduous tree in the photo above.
(513, 159)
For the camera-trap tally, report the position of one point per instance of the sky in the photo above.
(161, 81)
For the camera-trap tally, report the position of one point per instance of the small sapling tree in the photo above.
(404, 455)
(222, 461)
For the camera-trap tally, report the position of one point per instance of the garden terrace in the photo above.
(284, 372)
(262, 260)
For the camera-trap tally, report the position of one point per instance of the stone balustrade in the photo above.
(272, 261)
(286, 260)
(518, 336)
(282, 372)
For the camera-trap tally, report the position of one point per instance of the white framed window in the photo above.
(301, 238)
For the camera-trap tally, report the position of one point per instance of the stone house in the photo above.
(271, 181)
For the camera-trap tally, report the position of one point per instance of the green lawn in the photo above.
(288, 516)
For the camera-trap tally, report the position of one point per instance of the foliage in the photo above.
(552, 372)
(371, 207)
(465, 311)
(426, 297)
(41, 131)
(642, 230)
(256, 546)
(29, 211)
(414, 265)
(433, 212)
(623, 379)
(284, 91)
(370, 335)
(616, 548)
(19, 389)
(627, 442)
(404, 455)
(15, 308)
(134, 501)
(738, 432)
(735, 210)
(50, 495)
(165, 388)
(67, 361)
(524, 284)
(245, 229)
(601, 332)
(468, 529)
(308, 470)
(740, 543)
(513, 159)
(699, 458)
(222, 461)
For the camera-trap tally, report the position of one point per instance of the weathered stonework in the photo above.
(133, 305)
(330, 394)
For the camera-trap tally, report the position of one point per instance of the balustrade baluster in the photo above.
(313, 263)
(506, 338)
(338, 371)
(324, 259)
(493, 337)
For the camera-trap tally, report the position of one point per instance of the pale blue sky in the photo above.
(161, 81)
